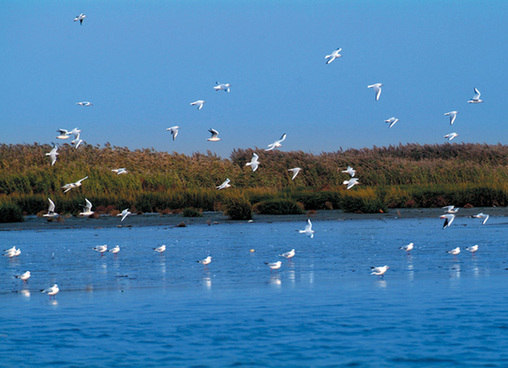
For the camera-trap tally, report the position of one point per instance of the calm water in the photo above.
(321, 309)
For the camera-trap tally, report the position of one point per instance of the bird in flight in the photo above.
(308, 229)
(51, 209)
(483, 216)
(277, 143)
(254, 163)
(452, 115)
(124, 214)
(80, 18)
(87, 209)
(392, 121)
(450, 136)
(224, 185)
(52, 154)
(70, 186)
(295, 171)
(377, 89)
(226, 87)
(198, 103)
(120, 171)
(84, 103)
(351, 182)
(449, 217)
(215, 135)
(476, 98)
(174, 131)
(334, 55)
(350, 171)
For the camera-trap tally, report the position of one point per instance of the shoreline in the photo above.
(213, 218)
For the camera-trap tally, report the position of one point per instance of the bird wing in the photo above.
(88, 206)
(51, 207)
(282, 138)
(477, 94)
(213, 132)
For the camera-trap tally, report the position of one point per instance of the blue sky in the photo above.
(142, 62)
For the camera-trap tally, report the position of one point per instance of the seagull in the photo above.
(24, 276)
(274, 265)
(160, 249)
(452, 115)
(80, 17)
(198, 103)
(451, 209)
(334, 55)
(473, 249)
(51, 291)
(295, 171)
(408, 248)
(11, 253)
(377, 89)
(88, 209)
(254, 163)
(174, 131)
(476, 98)
(350, 171)
(225, 184)
(205, 261)
(120, 171)
(52, 154)
(289, 254)
(226, 87)
(76, 141)
(454, 251)
(124, 214)
(70, 186)
(483, 216)
(64, 134)
(277, 143)
(101, 249)
(449, 217)
(392, 121)
(308, 229)
(450, 136)
(115, 249)
(84, 103)
(351, 182)
(214, 137)
(51, 210)
(379, 271)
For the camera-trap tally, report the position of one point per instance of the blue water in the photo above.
(322, 309)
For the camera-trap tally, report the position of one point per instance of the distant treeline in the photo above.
(409, 175)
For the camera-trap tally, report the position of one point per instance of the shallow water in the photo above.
(323, 308)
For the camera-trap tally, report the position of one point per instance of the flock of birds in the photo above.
(65, 134)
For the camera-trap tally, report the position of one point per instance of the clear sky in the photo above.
(142, 62)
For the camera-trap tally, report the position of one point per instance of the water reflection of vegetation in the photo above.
(397, 176)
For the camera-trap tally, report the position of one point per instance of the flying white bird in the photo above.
(476, 98)
(124, 214)
(87, 209)
(392, 121)
(120, 171)
(408, 248)
(449, 217)
(225, 184)
(289, 254)
(222, 87)
(64, 134)
(84, 103)
(51, 291)
(214, 137)
(451, 209)
(115, 249)
(450, 136)
(12, 252)
(77, 141)
(295, 171)
(472, 249)
(377, 89)
(160, 249)
(174, 131)
(277, 143)
(308, 229)
(379, 271)
(483, 216)
(24, 276)
(334, 55)
(351, 182)
(274, 265)
(101, 249)
(205, 261)
(452, 115)
(81, 18)
(51, 210)
(454, 251)
(254, 163)
(70, 186)
(52, 154)
(198, 103)
(350, 171)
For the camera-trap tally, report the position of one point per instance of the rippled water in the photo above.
(321, 309)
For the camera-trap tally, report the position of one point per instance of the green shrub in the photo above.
(237, 208)
(191, 212)
(9, 212)
(278, 207)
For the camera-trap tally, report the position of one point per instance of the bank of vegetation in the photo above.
(409, 175)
